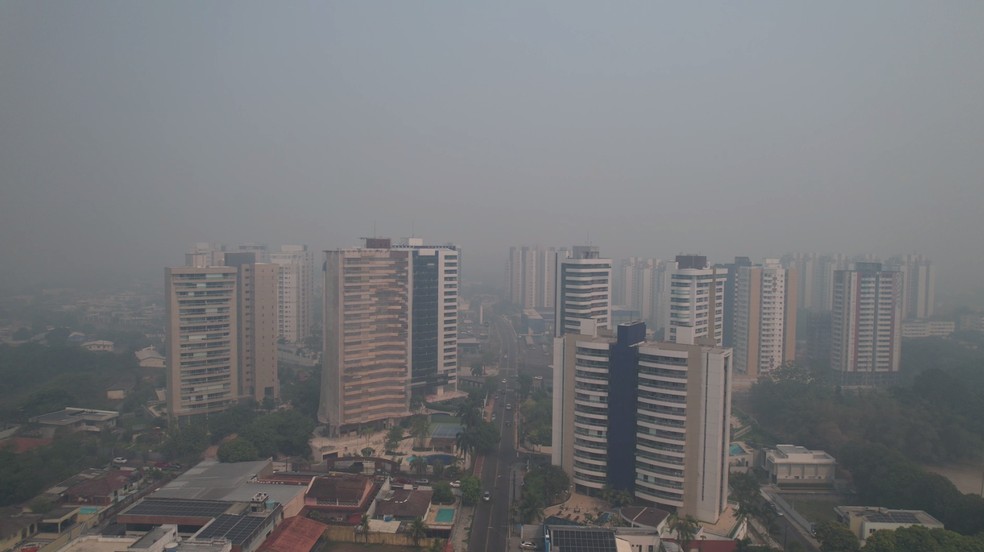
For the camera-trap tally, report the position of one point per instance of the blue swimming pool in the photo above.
(445, 459)
(444, 515)
(736, 450)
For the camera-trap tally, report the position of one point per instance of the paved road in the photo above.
(490, 527)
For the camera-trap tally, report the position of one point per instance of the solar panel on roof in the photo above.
(238, 529)
(584, 540)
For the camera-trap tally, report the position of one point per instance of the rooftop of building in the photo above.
(233, 481)
(797, 453)
(164, 508)
(644, 516)
(402, 503)
(104, 485)
(565, 538)
(12, 520)
(23, 444)
(238, 529)
(339, 488)
(875, 514)
(71, 415)
(295, 534)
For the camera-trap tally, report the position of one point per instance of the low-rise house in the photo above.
(78, 419)
(99, 346)
(403, 504)
(105, 489)
(296, 534)
(796, 466)
(865, 520)
(340, 497)
(149, 358)
(16, 526)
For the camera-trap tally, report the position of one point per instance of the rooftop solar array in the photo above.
(564, 539)
(238, 529)
(178, 508)
(893, 517)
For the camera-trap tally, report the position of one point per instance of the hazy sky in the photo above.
(130, 130)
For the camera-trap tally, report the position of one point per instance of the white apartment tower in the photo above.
(636, 286)
(651, 418)
(434, 339)
(295, 290)
(764, 317)
(692, 300)
(201, 343)
(583, 290)
(866, 324)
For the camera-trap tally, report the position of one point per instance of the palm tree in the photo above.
(363, 527)
(420, 429)
(686, 529)
(531, 508)
(419, 465)
(466, 443)
(417, 530)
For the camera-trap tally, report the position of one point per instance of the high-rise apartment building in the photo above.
(434, 317)
(583, 289)
(636, 286)
(391, 325)
(692, 301)
(531, 276)
(815, 278)
(201, 350)
(645, 417)
(919, 285)
(295, 291)
(730, 293)
(866, 324)
(256, 294)
(764, 317)
(367, 325)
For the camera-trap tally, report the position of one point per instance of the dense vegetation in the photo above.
(542, 486)
(39, 378)
(537, 413)
(878, 436)
(23, 476)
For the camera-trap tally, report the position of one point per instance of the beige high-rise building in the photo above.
(295, 290)
(201, 344)
(866, 325)
(765, 317)
(367, 351)
(918, 285)
(531, 276)
(583, 290)
(257, 296)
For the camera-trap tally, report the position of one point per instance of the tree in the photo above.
(417, 530)
(443, 493)
(419, 465)
(835, 537)
(237, 450)
(393, 438)
(686, 529)
(363, 527)
(477, 368)
(471, 490)
(419, 429)
(367, 452)
(438, 469)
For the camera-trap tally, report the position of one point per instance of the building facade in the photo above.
(636, 287)
(295, 292)
(434, 317)
(646, 417)
(692, 303)
(919, 285)
(583, 289)
(764, 317)
(530, 275)
(367, 336)
(201, 343)
(866, 324)
(256, 294)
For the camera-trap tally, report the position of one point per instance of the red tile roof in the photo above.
(296, 534)
(24, 444)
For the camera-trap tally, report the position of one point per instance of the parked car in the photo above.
(456, 484)
(528, 545)
(487, 496)
(422, 482)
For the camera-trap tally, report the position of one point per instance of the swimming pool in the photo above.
(736, 450)
(445, 459)
(444, 515)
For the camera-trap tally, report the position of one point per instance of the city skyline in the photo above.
(781, 127)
